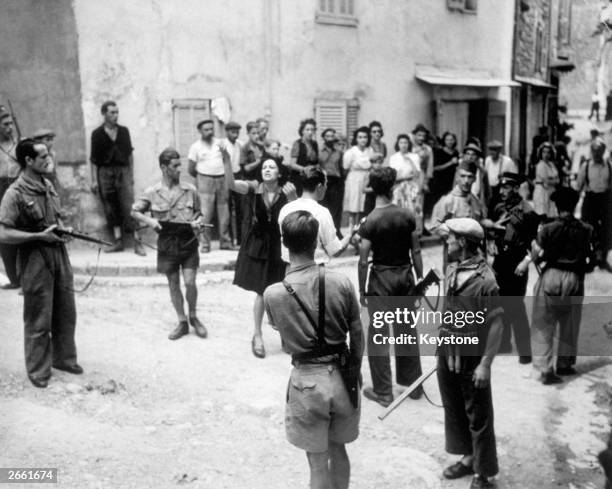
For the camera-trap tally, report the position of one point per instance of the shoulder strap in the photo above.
(320, 326)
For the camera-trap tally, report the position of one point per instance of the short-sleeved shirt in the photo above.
(235, 152)
(390, 230)
(455, 204)
(328, 243)
(341, 309)
(30, 205)
(179, 204)
(566, 243)
(208, 157)
(106, 152)
(330, 159)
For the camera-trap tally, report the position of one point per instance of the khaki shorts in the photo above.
(319, 410)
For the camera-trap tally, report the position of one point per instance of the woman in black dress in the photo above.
(259, 261)
(446, 158)
(304, 152)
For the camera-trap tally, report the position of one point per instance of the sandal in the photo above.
(259, 351)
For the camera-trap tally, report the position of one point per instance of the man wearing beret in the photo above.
(464, 368)
(459, 202)
(564, 244)
(517, 228)
(47, 136)
(234, 148)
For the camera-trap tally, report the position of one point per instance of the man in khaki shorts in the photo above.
(322, 413)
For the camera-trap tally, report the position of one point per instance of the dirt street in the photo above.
(152, 413)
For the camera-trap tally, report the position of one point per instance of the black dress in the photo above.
(259, 261)
(443, 180)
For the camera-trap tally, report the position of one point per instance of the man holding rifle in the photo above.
(464, 367)
(175, 214)
(314, 310)
(29, 217)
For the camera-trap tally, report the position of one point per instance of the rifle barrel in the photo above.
(407, 392)
(83, 237)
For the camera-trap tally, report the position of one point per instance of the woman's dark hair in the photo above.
(373, 124)
(363, 129)
(546, 144)
(448, 133)
(300, 230)
(403, 136)
(382, 180)
(283, 171)
(304, 123)
(25, 148)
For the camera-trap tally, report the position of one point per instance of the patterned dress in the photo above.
(357, 163)
(407, 189)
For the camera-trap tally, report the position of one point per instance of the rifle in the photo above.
(81, 236)
(15, 123)
(432, 277)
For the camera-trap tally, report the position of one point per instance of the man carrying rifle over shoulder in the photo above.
(175, 214)
(464, 362)
(29, 217)
(314, 310)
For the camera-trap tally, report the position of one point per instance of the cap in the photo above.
(495, 144)
(377, 157)
(511, 178)
(420, 128)
(231, 125)
(41, 133)
(464, 226)
(3, 112)
(473, 147)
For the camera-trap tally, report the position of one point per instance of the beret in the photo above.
(495, 144)
(464, 226)
(377, 157)
(41, 133)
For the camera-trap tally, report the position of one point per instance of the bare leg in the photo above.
(319, 470)
(339, 466)
(174, 282)
(258, 312)
(191, 290)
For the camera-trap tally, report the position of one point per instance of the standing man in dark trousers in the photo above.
(330, 160)
(565, 245)
(234, 148)
(175, 214)
(464, 370)
(9, 170)
(321, 416)
(595, 178)
(113, 175)
(29, 214)
(511, 264)
(390, 233)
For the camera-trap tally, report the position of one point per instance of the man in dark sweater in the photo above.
(113, 175)
(390, 233)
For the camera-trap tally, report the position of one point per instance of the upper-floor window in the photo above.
(338, 12)
(468, 6)
(565, 22)
(539, 49)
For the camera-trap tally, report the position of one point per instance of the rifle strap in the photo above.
(319, 326)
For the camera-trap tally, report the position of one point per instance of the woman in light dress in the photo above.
(356, 162)
(546, 180)
(408, 188)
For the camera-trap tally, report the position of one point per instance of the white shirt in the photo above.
(328, 243)
(208, 158)
(234, 151)
(494, 169)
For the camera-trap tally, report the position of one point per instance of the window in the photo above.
(186, 114)
(340, 114)
(337, 12)
(467, 6)
(539, 47)
(565, 23)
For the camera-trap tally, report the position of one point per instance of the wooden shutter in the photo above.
(352, 117)
(331, 114)
(186, 114)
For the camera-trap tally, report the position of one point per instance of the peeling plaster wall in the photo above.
(271, 56)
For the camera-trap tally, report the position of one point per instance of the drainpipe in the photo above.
(268, 26)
